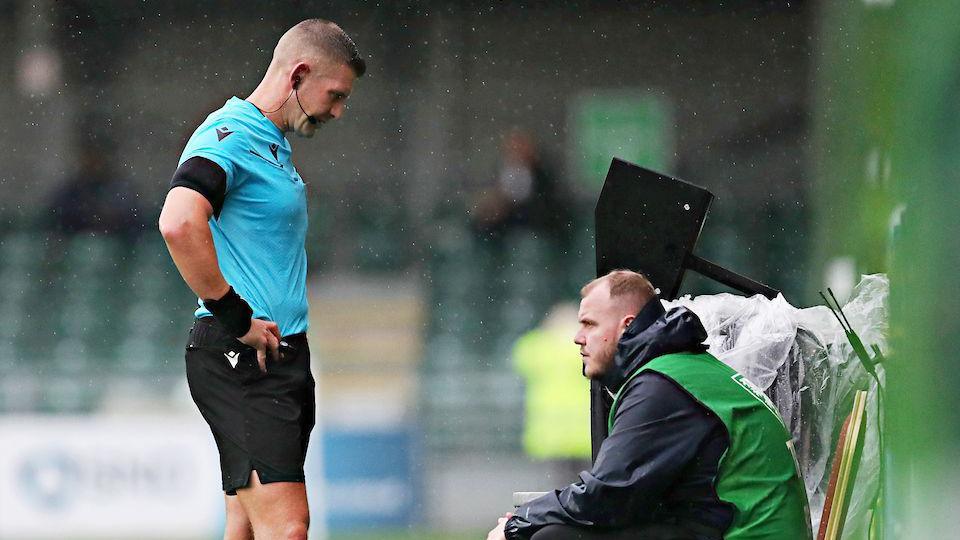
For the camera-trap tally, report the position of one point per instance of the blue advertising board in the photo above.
(370, 479)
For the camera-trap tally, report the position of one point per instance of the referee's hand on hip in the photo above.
(264, 336)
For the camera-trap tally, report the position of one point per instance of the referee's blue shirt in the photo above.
(262, 227)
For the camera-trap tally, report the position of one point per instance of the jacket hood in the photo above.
(654, 332)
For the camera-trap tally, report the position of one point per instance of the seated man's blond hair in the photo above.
(627, 285)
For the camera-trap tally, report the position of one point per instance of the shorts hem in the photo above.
(265, 478)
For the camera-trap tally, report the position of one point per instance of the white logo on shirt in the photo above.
(232, 357)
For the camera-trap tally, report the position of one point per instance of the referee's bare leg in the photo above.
(238, 524)
(277, 510)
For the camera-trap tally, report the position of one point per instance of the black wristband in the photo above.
(231, 311)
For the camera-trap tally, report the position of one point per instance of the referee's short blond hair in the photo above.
(319, 38)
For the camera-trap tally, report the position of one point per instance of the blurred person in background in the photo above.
(521, 225)
(235, 223)
(524, 194)
(96, 199)
(695, 451)
(557, 406)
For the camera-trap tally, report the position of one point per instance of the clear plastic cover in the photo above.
(802, 360)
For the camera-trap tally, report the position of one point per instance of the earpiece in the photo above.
(310, 118)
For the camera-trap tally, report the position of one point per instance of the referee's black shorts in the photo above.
(260, 421)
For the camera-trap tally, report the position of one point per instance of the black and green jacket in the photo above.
(667, 457)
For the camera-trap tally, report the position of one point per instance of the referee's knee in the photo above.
(295, 531)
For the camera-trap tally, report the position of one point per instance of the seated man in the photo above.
(695, 451)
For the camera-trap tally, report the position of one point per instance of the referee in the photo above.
(235, 222)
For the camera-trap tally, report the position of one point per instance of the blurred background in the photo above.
(451, 213)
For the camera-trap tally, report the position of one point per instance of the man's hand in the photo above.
(264, 336)
(497, 532)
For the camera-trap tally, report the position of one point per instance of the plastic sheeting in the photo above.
(802, 360)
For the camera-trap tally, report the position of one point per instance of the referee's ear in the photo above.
(298, 73)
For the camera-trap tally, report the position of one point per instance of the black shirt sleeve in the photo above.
(205, 177)
(658, 430)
